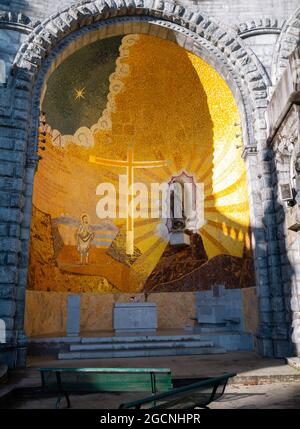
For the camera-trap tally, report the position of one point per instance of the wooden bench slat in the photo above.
(68, 380)
(109, 382)
(133, 370)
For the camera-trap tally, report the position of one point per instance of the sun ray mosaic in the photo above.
(161, 104)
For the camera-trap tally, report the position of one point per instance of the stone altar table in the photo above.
(135, 317)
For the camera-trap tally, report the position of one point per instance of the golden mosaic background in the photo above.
(167, 104)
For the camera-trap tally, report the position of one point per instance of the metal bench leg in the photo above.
(153, 386)
(67, 399)
(61, 391)
(60, 395)
(57, 404)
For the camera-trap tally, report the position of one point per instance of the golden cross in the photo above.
(130, 165)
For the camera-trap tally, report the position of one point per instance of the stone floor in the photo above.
(248, 365)
(267, 396)
(272, 396)
(260, 382)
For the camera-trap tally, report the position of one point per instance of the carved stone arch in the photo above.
(17, 21)
(286, 44)
(197, 32)
(259, 26)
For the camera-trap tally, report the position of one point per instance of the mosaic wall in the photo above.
(109, 108)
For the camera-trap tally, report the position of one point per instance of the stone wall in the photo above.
(46, 311)
(284, 140)
(266, 17)
(233, 12)
(238, 11)
(207, 37)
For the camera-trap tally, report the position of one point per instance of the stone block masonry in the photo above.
(248, 43)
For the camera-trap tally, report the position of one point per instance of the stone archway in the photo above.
(197, 32)
(213, 41)
(286, 44)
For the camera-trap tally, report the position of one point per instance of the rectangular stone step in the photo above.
(230, 340)
(141, 353)
(140, 338)
(208, 329)
(141, 345)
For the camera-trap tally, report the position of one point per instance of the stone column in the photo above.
(294, 254)
(283, 248)
(14, 176)
(11, 202)
(279, 266)
(264, 332)
(21, 340)
(293, 238)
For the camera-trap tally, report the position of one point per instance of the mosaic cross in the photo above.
(130, 164)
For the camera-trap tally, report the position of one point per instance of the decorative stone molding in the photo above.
(293, 218)
(285, 147)
(258, 27)
(249, 150)
(286, 44)
(32, 162)
(285, 94)
(17, 21)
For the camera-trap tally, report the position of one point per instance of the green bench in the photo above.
(190, 396)
(65, 381)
